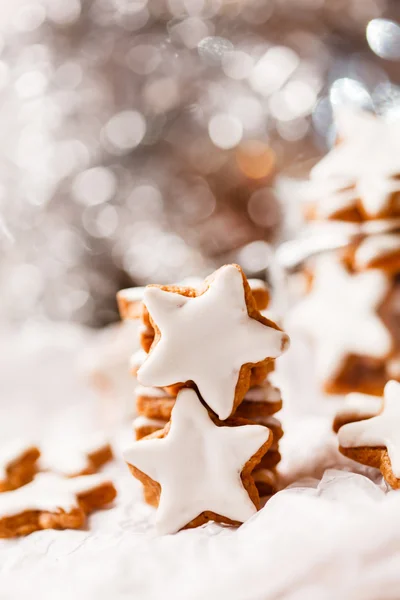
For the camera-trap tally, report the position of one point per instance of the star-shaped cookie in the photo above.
(376, 442)
(201, 470)
(53, 502)
(340, 316)
(360, 173)
(212, 338)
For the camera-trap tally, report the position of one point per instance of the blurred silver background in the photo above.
(144, 140)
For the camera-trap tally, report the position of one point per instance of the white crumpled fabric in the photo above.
(333, 533)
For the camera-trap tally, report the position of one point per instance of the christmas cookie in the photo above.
(153, 402)
(376, 441)
(260, 292)
(260, 295)
(273, 424)
(212, 338)
(52, 502)
(357, 407)
(18, 464)
(199, 469)
(130, 300)
(359, 178)
(136, 361)
(260, 401)
(146, 335)
(271, 458)
(76, 460)
(143, 426)
(377, 252)
(341, 316)
(266, 481)
(130, 303)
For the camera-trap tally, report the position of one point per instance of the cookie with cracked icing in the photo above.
(376, 441)
(358, 179)
(356, 407)
(347, 317)
(260, 401)
(212, 338)
(169, 461)
(18, 464)
(53, 502)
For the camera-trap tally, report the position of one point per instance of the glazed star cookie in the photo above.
(357, 407)
(259, 292)
(198, 469)
(18, 464)
(143, 426)
(340, 315)
(52, 502)
(376, 441)
(213, 339)
(78, 460)
(130, 300)
(359, 178)
(376, 252)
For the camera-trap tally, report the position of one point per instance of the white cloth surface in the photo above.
(333, 533)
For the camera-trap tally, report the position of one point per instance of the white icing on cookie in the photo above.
(320, 236)
(379, 226)
(48, 492)
(207, 339)
(151, 392)
(12, 452)
(72, 459)
(263, 393)
(380, 431)
(376, 247)
(339, 314)
(147, 422)
(133, 294)
(360, 405)
(198, 465)
(366, 160)
(257, 284)
(137, 359)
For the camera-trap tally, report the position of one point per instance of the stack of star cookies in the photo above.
(351, 309)
(204, 398)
